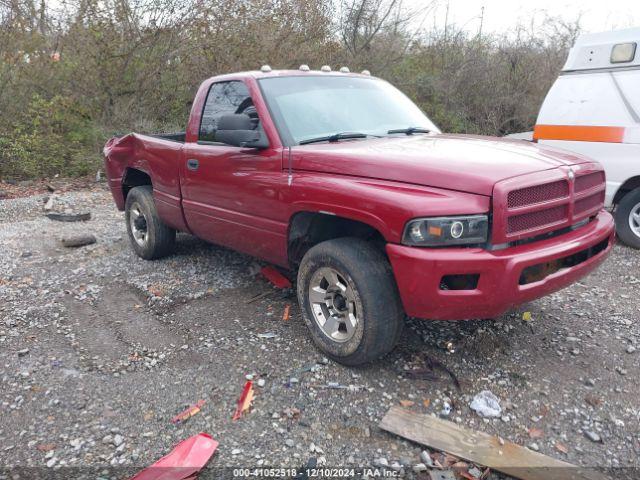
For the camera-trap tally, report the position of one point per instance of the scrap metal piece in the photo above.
(188, 413)
(184, 461)
(275, 277)
(244, 402)
(69, 217)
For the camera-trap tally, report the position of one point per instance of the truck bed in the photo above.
(173, 137)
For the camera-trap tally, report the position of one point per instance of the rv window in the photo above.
(623, 52)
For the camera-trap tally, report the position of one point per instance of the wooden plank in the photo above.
(481, 448)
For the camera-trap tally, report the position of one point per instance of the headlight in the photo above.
(444, 231)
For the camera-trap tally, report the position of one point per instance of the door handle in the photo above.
(192, 164)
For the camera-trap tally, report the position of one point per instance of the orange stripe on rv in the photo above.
(579, 133)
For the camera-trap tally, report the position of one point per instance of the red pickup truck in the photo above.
(341, 178)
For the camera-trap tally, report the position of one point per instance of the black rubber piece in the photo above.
(377, 298)
(623, 210)
(161, 238)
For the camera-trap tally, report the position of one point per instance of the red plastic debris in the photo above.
(184, 461)
(275, 277)
(188, 413)
(244, 402)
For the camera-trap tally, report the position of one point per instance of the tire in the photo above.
(149, 236)
(364, 276)
(628, 206)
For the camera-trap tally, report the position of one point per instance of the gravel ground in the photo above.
(100, 349)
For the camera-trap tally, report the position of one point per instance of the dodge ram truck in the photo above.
(341, 178)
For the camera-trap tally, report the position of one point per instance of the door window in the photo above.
(225, 98)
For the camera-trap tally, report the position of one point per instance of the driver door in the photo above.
(231, 195)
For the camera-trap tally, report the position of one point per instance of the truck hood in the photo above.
(464, 163)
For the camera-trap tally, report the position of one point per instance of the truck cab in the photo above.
(593, 109)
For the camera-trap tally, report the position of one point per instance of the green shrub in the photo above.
(51, 136)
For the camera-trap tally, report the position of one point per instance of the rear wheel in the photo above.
(349, 300)
(149, 236)
(628, 219)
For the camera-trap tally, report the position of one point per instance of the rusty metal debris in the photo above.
(69, 217)
(188, 413)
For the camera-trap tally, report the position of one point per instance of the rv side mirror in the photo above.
(236, 129)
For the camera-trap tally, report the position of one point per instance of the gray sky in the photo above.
(500, 15)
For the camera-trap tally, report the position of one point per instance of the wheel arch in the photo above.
(308, 228)
(629, 185)
(134, 177)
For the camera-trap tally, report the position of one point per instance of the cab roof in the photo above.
(258, 74)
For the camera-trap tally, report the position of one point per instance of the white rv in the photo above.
(593, 108)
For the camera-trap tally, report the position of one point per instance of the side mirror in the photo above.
(236, 129)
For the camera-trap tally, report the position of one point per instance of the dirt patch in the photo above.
(117, 325)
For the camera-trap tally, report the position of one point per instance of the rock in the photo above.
(49, 205)
(475, 472)
(23, 352)
(486, 404)
(107, 439)
(420, 467)
(631, 349)
(426, 458)
(289, 443)
(236, 451)
(534, 446)
(78, 241)
(10, 323)
(118, 440)
(395, 466)
(261, 382)
(593, 436)
(381, 462)
(621, 370)
(590, 382)
(52, 462)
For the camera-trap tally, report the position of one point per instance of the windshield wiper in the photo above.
(334, 138)
(410, 130)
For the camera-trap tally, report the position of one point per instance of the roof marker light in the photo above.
(304, 67)
(344, 70)
(265, 68)
(365, 72)
(325, 68)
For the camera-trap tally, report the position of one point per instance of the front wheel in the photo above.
(628, 219)
(349, 300)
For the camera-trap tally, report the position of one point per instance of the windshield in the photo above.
(309, 107)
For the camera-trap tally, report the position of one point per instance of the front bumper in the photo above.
(419, 272)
